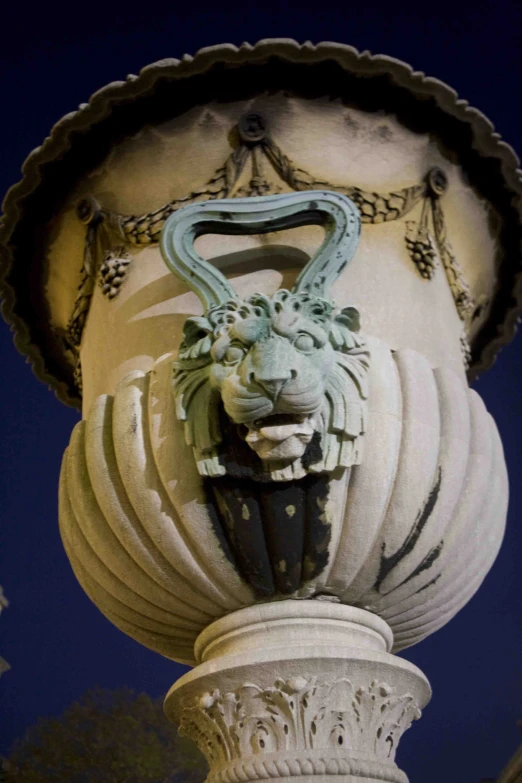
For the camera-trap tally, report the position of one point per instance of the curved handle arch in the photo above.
(336, 213)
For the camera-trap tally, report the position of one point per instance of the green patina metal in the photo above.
(336, 213)
(270, 388)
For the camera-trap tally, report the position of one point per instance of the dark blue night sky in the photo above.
(57, 642)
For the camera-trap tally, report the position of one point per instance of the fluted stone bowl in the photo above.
(408, 534)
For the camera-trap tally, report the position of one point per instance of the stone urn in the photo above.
(266, 275)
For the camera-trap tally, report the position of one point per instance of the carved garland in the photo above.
(300, 726)
(108, 235)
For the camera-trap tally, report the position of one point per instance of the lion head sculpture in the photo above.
(286, 374)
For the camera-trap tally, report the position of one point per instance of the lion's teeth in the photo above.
(284, 431)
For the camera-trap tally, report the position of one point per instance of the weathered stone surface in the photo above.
(409, 533)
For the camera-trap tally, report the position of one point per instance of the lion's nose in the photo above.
(272, 382)
(272, 386)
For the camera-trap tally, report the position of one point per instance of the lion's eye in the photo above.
(233, 354)
(304, 342)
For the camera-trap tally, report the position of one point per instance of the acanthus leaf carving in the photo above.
(298, 721)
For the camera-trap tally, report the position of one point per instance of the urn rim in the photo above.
(22, 251)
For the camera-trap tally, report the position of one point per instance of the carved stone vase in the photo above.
(267, 274)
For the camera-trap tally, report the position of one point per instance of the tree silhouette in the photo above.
(4, 666)
(106, 737)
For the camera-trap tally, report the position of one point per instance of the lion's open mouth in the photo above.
(280, 426)
(281, 436)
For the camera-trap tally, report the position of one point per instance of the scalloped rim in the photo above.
(486, 142)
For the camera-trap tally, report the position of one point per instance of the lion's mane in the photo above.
(198, 396)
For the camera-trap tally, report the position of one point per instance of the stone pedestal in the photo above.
(298, 690)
